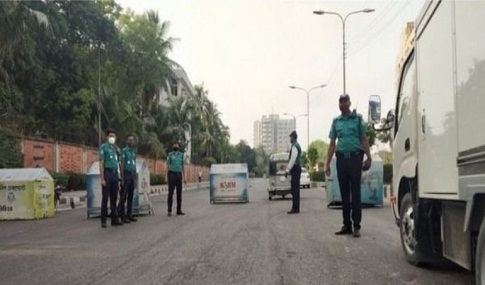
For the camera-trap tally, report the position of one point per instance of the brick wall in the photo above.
(66, 157)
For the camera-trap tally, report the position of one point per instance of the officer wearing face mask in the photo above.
(349, 131)
(175, 176)
(108, 169)
(294, 168)
(128, 172)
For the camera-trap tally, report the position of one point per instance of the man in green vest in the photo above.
(108, 170)
(175, 176)
(349, 131)
(128, 172)
(294, 168)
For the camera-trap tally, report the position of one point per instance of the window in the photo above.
(406, 89)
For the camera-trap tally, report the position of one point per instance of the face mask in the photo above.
(111, 140)
(175, 149)
(130, 144)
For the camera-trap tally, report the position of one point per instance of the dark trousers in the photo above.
(295, 187)
(349, 172)
(174, 181)
(109, 191)
(126, 195)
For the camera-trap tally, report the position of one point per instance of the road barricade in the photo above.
(228, 183)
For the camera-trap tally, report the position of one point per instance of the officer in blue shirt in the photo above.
(128, 172)
(349, 131)
(294, 168)
(108, 170)
(175, 166)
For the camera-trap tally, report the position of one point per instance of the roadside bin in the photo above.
(26, 194)
(141, 202)
(372, 184)
(229, 183)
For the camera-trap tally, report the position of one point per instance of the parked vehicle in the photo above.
(279, 182)
(438, 138)
(305, 178)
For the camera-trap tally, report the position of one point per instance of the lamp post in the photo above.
(344, 20)
(308, 107)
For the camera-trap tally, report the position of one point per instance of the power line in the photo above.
(377, 29)
(381, 14)
(363, 44)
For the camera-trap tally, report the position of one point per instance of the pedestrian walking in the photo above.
(349, 131)
(175, 176)
(200, 176)
(294, 169)
(108, 169)
(128, 174)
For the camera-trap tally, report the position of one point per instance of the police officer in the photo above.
(108, 169)
(128, 172)
(294, 168)
(175, 176)
(349, 131)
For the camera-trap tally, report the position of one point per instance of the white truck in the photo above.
(438, 132)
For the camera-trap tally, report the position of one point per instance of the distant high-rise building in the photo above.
(257, 134)
(273, 133)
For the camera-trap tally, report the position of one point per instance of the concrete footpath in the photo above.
(77, 199)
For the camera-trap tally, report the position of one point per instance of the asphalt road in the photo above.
(254, 243)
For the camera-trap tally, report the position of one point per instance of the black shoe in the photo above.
(356, 233)
(116, 223)
(125, 221)
(104, 225)
(344, 231)
(180, 213)
(169, 214)
(133, 219)
(293, 212)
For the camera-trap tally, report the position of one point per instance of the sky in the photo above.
(248, 52)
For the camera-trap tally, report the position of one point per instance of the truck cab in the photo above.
(439, 139)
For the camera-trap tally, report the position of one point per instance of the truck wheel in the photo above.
(270, 197)
(480, 256)
(408, 230)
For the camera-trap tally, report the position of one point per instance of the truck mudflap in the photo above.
(393, 201)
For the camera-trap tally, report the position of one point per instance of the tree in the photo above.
(312, 155)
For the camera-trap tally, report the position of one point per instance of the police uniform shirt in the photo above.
(295, 156)
(128, 157)
(109, 156)
(175, 161)
(348, 132)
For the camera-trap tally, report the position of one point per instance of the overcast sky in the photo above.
(248, 53)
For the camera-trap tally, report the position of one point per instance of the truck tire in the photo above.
(480, 256)
(407, 230)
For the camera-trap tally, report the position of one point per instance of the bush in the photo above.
(157, 179)
(387, 173)
(10, 153)
(318, 176)
(76, 181)
(60, 179)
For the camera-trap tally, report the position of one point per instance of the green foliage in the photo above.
(54, 53)
(317, 176)
(76, 181)
(60, 178)
(208, 161)
(10, 153)
(387, 173)
(371, 134)
(157, 179)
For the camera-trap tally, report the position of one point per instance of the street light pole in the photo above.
(343, 20)
(99, 94)
(308, 108)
